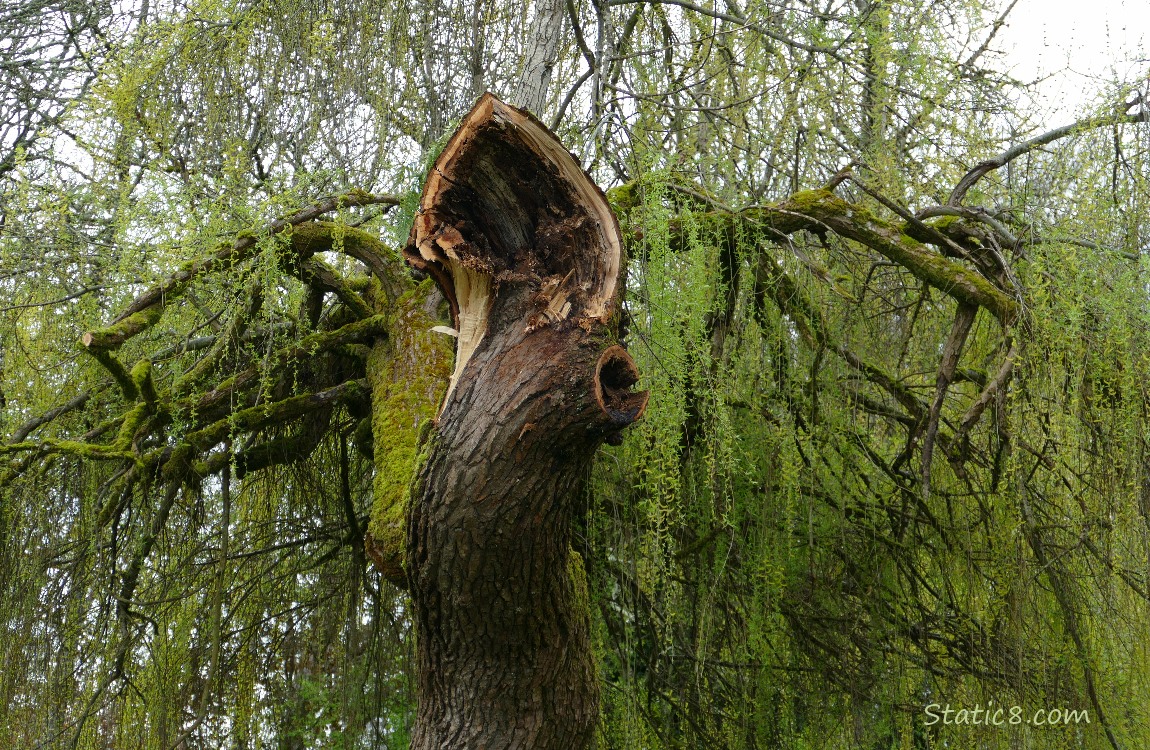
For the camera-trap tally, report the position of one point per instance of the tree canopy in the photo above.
(893, 327)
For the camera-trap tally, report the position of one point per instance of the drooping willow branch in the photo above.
(772, 280)
(820, 210)
(171, 429)
(936, 255)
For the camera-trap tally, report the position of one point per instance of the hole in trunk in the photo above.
(615, 373)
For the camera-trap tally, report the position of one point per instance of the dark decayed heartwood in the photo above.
(529, 255)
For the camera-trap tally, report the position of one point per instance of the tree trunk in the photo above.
(528, 253)
(540, 56)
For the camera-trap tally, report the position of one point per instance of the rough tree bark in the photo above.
(529, 255)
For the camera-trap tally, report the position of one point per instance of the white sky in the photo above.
(1073, 47)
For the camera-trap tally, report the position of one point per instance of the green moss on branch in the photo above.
(146, 309)
(264, 415)
(357, 332)
(315, 271)
(118, 372)
(132, 421)
(145, 384)
(76, 448)
(821, 211)
(857, 223)
(112, 337)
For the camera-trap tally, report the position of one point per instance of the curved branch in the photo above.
(263, 415)
(361, 331)
(313, 237)
(35, 423)
(320, 274)
(951, 351)
(146, 309)
(771, 279)
(1008, 237)
(821, 210)
(996, 384)
(983, 168)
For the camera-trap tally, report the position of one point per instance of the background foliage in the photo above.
(768, 567)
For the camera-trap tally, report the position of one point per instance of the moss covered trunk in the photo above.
(528, 254)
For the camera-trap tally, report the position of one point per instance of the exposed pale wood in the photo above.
(505, 197)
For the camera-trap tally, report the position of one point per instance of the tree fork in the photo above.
(529, 255)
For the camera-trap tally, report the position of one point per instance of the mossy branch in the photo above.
(229, 338)
(821, 209)
(141, 375)
(182, 460)
(258, 417)
(113, 336)
(322, 236)
(358, 332)
(146, 309)
(318, 273)
(277, 451)
(118, 372)
(76, 448)
(131, 424)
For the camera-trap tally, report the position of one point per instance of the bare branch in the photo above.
(998, 24)
(951, 351)
(983, 168)
(35, 423)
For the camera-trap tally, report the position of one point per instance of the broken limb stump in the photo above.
(527, 252)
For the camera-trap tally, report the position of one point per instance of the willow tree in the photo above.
(309, 360)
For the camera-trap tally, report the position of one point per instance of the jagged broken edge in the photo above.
(434, 243)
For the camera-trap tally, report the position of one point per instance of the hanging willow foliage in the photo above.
(895, 333)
